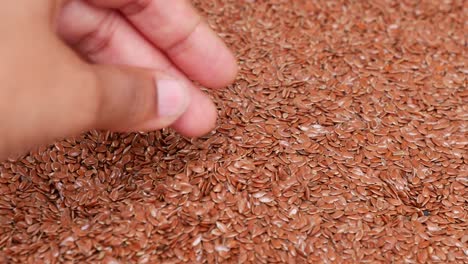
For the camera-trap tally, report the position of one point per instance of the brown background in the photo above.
(343, 140)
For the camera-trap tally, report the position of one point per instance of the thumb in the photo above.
(129, 99)
(63, 96)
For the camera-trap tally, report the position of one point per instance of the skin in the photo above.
(71, 66)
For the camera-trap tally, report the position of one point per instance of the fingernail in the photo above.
(172, 98)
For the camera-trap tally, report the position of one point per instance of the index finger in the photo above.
(178, 30)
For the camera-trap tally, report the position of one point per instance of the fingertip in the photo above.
(172, 100)
(221, 63)
(200, 117)
(228, 75)
(205, 58)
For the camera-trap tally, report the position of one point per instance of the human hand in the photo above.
(56, 79)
